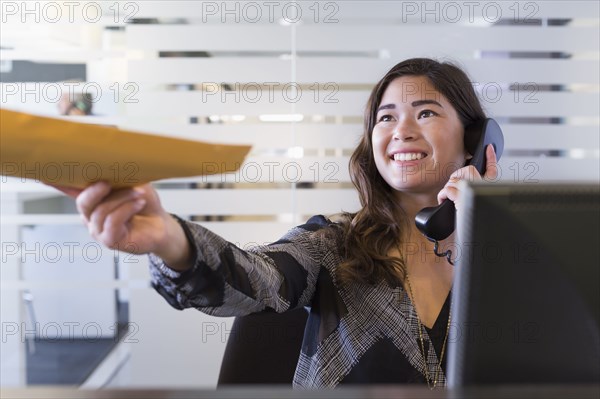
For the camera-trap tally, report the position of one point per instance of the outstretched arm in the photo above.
(228, 281)
(193, 267)
(132, 220)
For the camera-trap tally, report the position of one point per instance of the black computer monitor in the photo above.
(526, 295)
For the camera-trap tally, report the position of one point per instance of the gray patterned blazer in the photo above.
(355, 333)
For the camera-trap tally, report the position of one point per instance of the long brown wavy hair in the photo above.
(369, 235)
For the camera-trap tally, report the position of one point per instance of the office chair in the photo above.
(263, 348)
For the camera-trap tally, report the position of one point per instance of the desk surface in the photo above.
(392, 392)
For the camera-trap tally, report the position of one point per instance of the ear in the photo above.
(468, 157)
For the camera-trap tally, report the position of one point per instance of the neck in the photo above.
(416, 247)
(413, 203)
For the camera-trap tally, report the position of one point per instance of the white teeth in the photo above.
(408, 156)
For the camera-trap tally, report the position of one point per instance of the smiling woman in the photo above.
(369, 321)
(420, 106)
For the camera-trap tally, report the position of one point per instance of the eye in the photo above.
(427, 113)
(385, 118)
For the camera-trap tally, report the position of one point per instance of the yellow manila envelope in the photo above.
(73, 154)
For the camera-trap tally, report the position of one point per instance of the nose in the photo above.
(404, 130)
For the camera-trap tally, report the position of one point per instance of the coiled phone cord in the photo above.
(436, 247)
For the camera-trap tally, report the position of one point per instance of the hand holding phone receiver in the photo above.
(437, 222)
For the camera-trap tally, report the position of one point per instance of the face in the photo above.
(417, 137)
(65, 106)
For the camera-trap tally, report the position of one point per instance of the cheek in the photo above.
(378, 142)
(452, 143)
(378, 149)
(454, 156)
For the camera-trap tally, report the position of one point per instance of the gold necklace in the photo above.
(431, 383)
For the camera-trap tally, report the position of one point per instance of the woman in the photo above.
(379, 299)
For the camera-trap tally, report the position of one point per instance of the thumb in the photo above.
(70, 191)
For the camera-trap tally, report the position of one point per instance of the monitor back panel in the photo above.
(526, 298)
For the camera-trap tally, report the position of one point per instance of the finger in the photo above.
(448, 192)
(491, 164)
(115, 228)
(468, 172)
(455, 177)
(107, 206)
(90, 197)
(70, 191)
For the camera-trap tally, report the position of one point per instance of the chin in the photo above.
(406, 186)
(414, 186)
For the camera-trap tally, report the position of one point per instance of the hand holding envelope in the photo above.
(104, 168)
(70, 154)
(134, 221)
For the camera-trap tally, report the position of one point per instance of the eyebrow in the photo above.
(414, 104)
(423, 102)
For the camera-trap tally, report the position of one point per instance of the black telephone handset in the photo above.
(437, 222)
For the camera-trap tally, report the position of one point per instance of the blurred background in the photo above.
(289, 78)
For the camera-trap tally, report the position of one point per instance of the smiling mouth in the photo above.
(408, 156)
